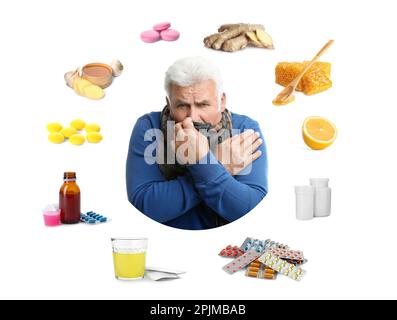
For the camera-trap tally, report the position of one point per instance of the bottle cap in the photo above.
(304, 189)
(69, 176)
(319, 182)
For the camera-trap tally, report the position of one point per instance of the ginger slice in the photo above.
(93, 92)
(87, 89)
(253, 39)
(264, 38)
(79, 84)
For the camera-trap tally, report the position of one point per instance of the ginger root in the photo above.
(233, 37)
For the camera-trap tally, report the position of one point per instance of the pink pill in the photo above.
(150, 36)
(162, 26)
(169, 35)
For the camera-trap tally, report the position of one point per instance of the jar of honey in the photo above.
(98, 73)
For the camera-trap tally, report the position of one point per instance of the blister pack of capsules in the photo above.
(92, 218)
(282, 266)
(231, 252)
(258, 270)
(241, 262)
(261, 245)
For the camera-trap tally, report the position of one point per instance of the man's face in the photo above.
(199, 101)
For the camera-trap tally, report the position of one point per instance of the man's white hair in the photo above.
(188, 71)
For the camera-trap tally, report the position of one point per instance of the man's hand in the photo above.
(239, 151)
(190, 145)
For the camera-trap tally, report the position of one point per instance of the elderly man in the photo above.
(210, 164)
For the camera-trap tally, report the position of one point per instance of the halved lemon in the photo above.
(318, 133)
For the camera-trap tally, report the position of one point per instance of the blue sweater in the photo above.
(190, 201)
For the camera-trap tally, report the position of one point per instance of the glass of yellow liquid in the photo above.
(129, 257)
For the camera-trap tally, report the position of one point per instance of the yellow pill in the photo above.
(56, 137)
(94, 137)
(78, 124)
(54, 127)
(68, 132)
(92, 127)
(77, 139)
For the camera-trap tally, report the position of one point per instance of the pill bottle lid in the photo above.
(319, 179)
(319, 182)
(304, 189)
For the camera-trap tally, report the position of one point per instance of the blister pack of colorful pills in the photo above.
(231, 252)
(287, 254)
(92, 218)
(282, 266)
(258, 270)
(241, 262)
(261, 245)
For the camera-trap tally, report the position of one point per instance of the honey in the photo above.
(96, 71)
(99, 74)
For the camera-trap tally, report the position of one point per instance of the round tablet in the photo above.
(162, 26)
(150, 36)
(54, 127)
(169, 35)
(77, 139)
(56, 137)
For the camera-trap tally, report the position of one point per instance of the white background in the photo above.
(351, 254)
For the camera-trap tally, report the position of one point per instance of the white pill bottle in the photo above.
(322, 197)
(304, 202)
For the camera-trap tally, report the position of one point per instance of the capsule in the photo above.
(269, 271)
(255, 263)
(252, 274)
(269, 276)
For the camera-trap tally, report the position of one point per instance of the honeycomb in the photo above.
(315, 80)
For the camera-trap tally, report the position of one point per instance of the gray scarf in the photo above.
(215, 135)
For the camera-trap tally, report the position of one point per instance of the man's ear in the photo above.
(223, 102)
(168, 102)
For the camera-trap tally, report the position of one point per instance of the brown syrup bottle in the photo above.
(69, 199)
